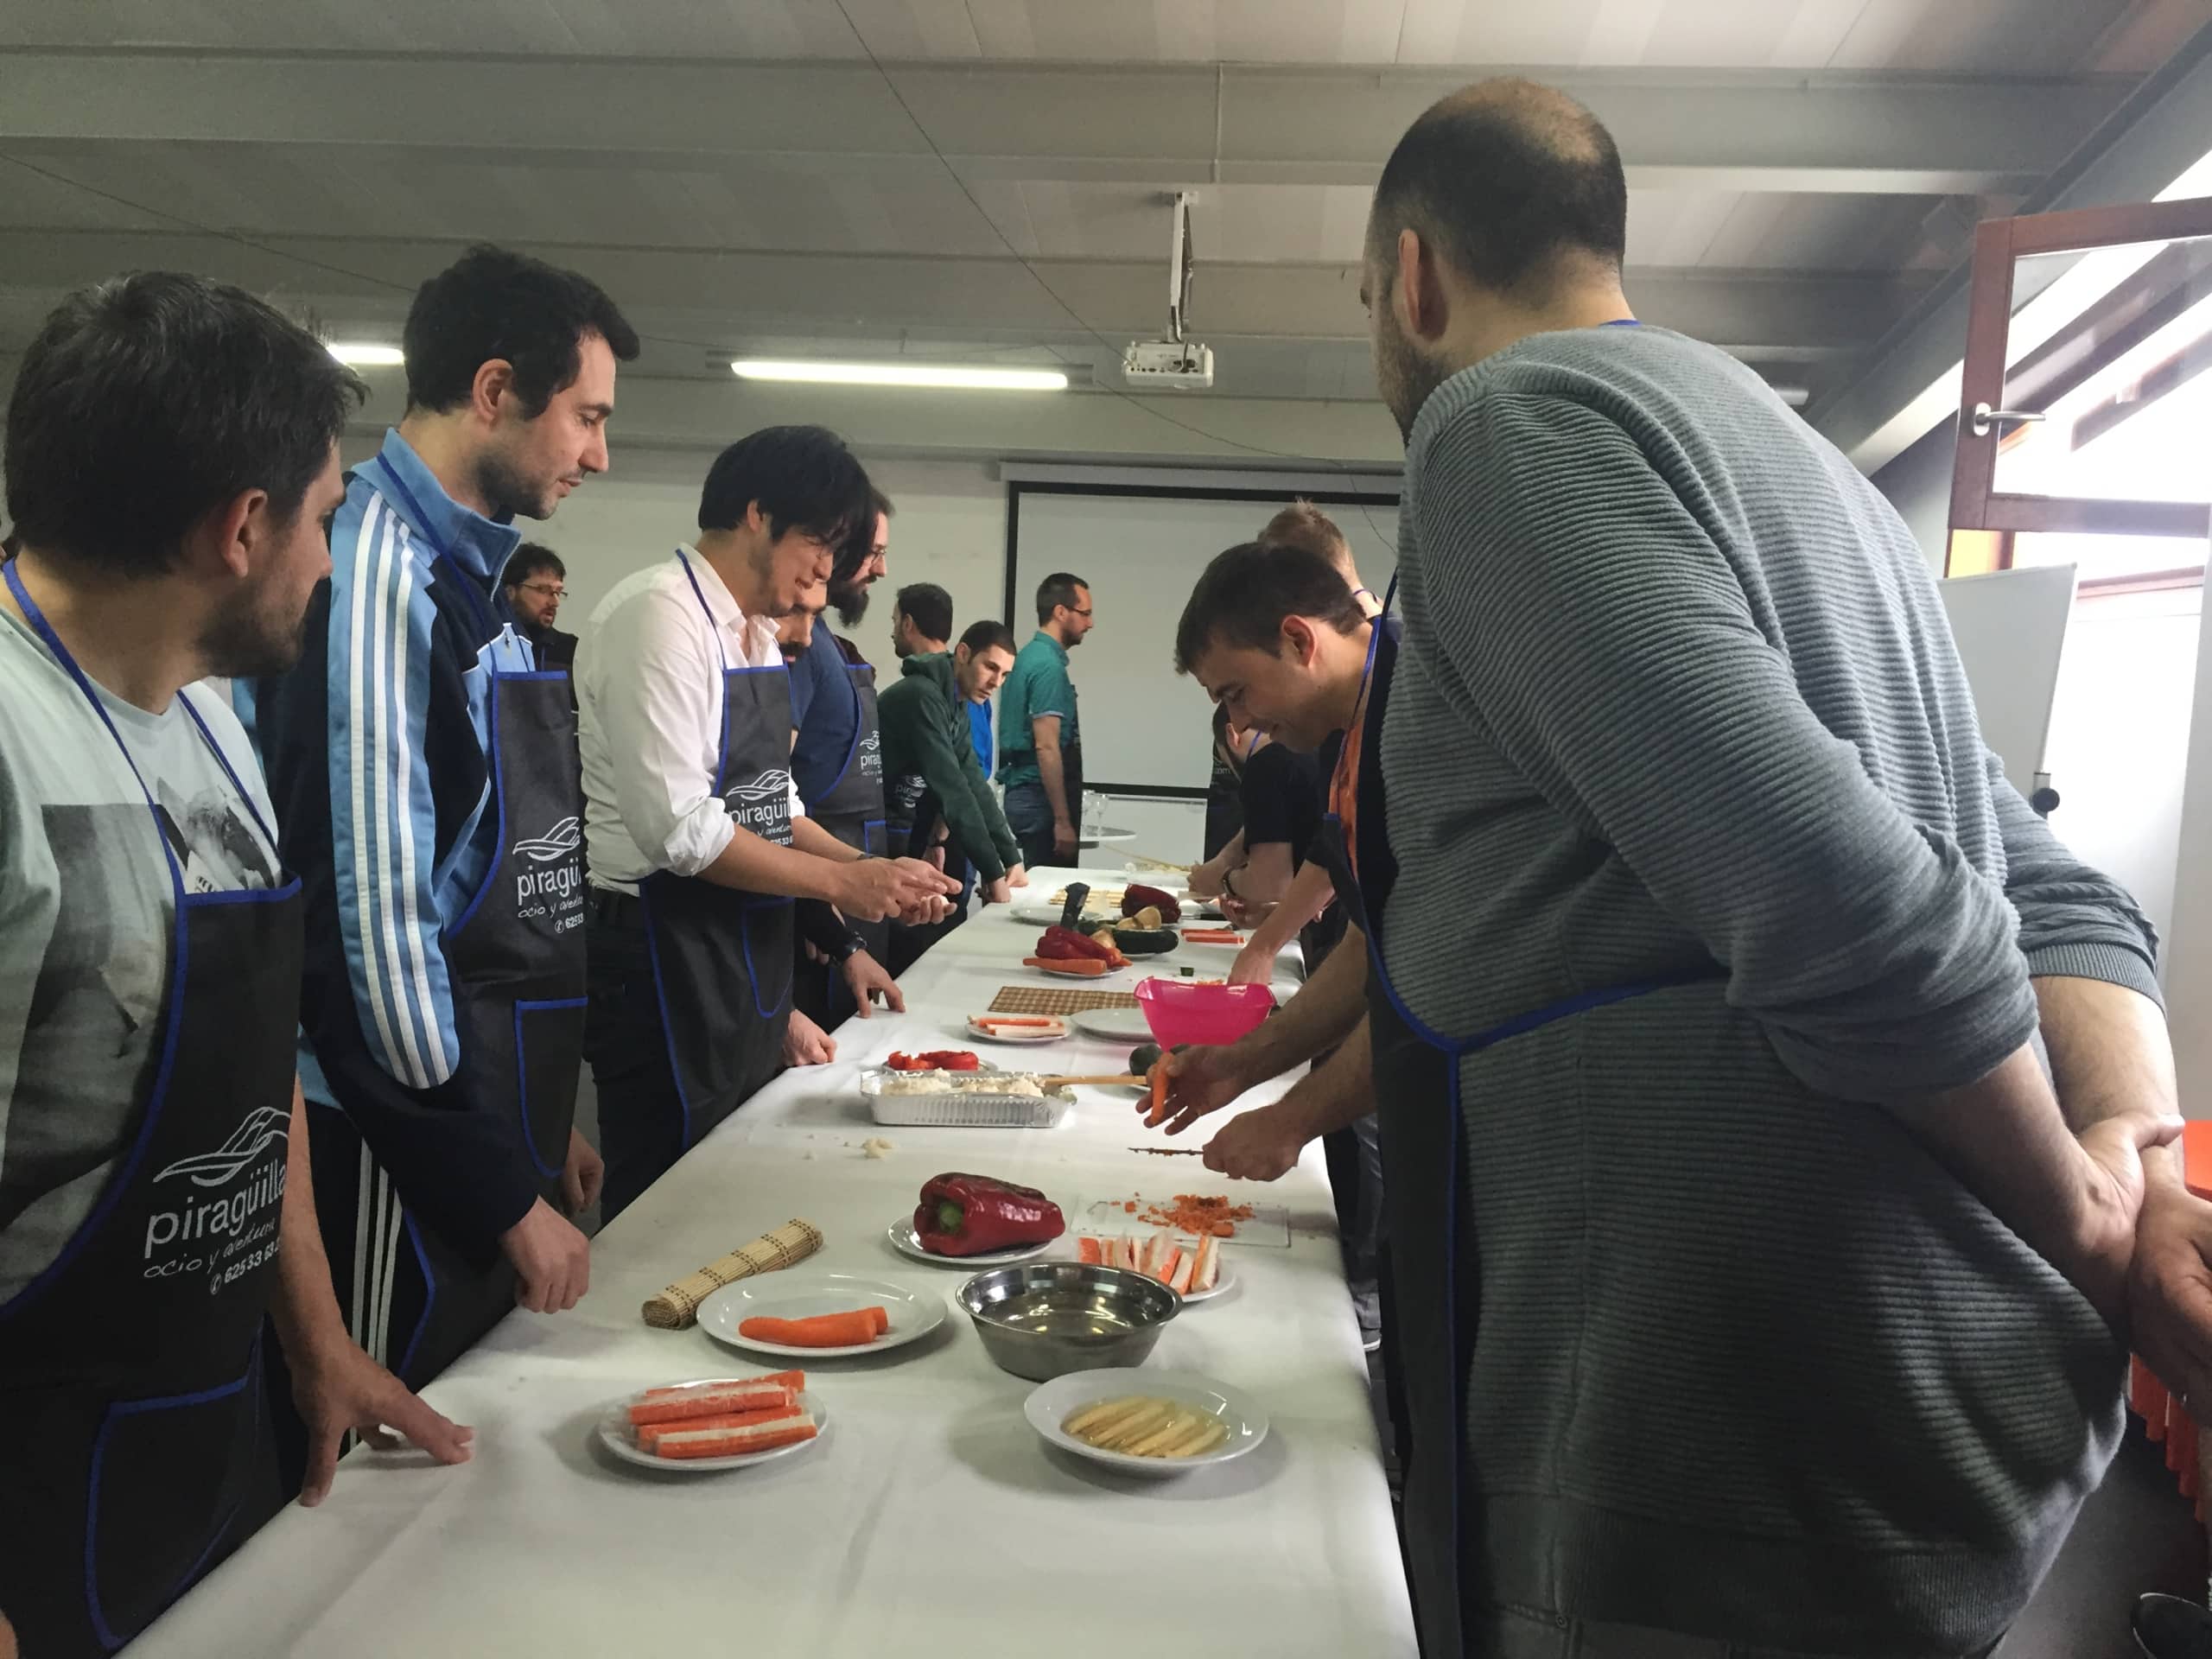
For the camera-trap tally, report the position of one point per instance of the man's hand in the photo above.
(552, 1261)
(1064, 840)
(1257, 1145)
(2115, 1148)
(582, 1174)
(865, 978)
(1242, 912)
(1199, 1081)
(2170, 1289)
(1017, 877)
(1255, 964)
(806, 1043)
(1206, 880)
(338, 1387)
(877, 887)
(814, 953)
(1000, 892)
(935, 857)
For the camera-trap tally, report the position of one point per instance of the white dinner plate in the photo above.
(1038, 913)
(1224, 1278)
(796, 1294)
(614, 1431)
(1020, 1035)
(907, 1242)
(1055, 1401)
(1117, 1025)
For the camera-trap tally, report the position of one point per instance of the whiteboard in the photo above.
(1141, 552)
(2009, 627)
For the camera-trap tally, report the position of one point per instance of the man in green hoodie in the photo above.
(931, 775)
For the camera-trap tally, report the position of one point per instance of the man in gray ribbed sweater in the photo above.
(1754, 1289)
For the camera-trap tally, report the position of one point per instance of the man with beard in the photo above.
(1757, 1289)
(172, 465)
(921, 621)
(699, 842)
(425, 774)
(1040, 739)
(837, 763)
(535, 583)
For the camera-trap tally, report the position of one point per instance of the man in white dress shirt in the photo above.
(696, 840)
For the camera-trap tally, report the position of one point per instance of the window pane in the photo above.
(2104, 557)
(2111, 348)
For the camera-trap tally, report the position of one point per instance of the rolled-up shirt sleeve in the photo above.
(662, 710)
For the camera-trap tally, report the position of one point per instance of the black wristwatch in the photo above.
(851, 947)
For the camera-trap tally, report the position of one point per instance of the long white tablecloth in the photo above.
(930, 1517)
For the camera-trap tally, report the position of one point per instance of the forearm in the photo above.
(2110, 1054)
(1324, 1012)
(810, 837)
(1266, 875)
(1339, 1092)
(1053, 776)
(756, 865)
(305, 1308)
(2008, 1143)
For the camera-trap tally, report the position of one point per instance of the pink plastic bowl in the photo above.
(1179, 1013)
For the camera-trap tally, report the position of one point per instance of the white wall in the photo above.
(2118, 739)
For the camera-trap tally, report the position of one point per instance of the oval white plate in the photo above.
(613, 1430)
(794, 1294)
(1224, 1278)
(1036, 912)
(1054, 1402)
(1021, 1035)
(906, 1242)
(1118, 1024)
(1076, 979)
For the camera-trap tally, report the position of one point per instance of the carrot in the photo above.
(650, 1434)
(716, 1402)
(1011, 1019)
(1156, 1107)
(1083, 967)
(737, 1442)
(853, 1329)
(882, 1321)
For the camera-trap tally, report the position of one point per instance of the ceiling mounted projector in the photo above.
(1176, 362)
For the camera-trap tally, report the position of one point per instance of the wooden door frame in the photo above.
(1998, 244)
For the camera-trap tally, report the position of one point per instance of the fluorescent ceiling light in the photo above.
(360, 355)
(901, 374)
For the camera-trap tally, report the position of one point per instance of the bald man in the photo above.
(1756, 1293)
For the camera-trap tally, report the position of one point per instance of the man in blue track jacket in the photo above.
(424, 772)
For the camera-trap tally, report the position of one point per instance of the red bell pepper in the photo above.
(968, 1215)
(1135, 898)
(942, 1060)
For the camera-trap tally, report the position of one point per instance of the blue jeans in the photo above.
(1029, 814)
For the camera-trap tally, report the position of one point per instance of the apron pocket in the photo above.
(548, 1050)
(169, 1478)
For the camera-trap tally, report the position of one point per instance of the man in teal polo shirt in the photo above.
(1040, 743)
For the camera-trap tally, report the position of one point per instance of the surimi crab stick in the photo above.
(735, 1442)
(651, 1434)
(717, 1401)
(794, 1381)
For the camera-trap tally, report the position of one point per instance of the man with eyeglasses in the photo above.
(1039, 741)
(535, 583)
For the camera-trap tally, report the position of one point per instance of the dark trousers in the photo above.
(640, 1115)
(1029, 814)
(1355, 1162)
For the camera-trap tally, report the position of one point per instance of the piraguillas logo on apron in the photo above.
(764, 804)
(871, 754)
(209, 1231)
(549, 875)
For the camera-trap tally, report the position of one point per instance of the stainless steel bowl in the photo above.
(1043, 1320)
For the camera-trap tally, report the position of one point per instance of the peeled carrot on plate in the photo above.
(854, 1330)
(1156, 1106)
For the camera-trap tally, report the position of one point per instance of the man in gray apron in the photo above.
(424, 768)
(1754, 1294)
(157, 1208)
(699, 843)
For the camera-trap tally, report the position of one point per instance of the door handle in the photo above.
(1985, 418)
